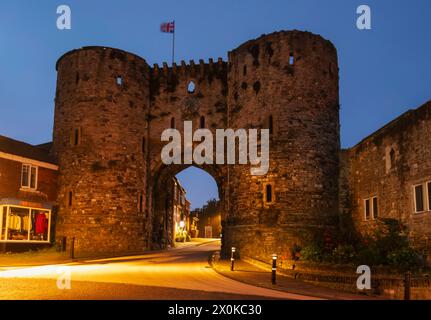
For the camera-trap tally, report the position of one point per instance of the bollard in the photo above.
(407, 285)
(274, 269)
(232, 259)
(72, 248)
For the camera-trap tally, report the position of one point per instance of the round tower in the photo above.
(100, 135)
(286, 82)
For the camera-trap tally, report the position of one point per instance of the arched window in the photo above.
(191, 87)
(202, 122)
(173, 123)
(291, 59)
(392, 157)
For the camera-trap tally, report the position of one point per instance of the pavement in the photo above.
(250, 274)
(180, 273)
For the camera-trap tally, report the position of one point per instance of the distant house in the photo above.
(28, 191)
(205, 222)
(181, 211)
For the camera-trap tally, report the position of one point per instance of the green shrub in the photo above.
(312, 253)
(405, 258)
(343, 253)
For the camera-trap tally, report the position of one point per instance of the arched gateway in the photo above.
(112, 107)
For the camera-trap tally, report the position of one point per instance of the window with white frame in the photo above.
(29, 177)
(371, 208)
(422, 197)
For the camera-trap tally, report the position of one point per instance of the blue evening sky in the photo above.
(383, 72)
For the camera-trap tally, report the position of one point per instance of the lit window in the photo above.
(29, 176)
(119, 81)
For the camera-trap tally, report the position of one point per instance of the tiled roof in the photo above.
(22, 149)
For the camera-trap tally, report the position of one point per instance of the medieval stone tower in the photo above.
(111, 108)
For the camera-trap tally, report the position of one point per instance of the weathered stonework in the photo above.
(111, 108)
(388, 164)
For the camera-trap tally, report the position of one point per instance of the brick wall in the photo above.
(10, 186)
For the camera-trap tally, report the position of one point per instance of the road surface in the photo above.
(182, 273)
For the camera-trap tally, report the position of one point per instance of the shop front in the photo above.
(25, 223)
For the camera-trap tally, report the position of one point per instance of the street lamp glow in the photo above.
(182, 224)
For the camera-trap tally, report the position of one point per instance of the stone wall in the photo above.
(388, 164)
(111, 109)
(286, 82)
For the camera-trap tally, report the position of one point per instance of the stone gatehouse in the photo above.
(113, 189)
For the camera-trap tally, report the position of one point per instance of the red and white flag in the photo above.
(168, 27)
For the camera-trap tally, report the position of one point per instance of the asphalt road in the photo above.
(182, 273)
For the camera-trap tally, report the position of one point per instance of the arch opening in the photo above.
(187, 205)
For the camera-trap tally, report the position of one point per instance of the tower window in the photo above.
(70, 199)
(202, 122)
(172, 123)
(291, 59)
(244, 70)
(141, 202)
(269, 196)
(143, 145)
(119, 80)
(271, 124)
(392, 157)
(75, 138)
(191, 87)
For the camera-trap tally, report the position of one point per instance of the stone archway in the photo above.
(162, 197)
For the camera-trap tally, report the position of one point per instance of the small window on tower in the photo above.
(271, 124)
(70, 198)
(172, 123)
(191, 87)
(202, 122)
(119, 80)
(75, 137)
(419, 198)
(367, 209)
(143, 145)
(244, 70)
(269, 196)
(291, 59)
(141, 202)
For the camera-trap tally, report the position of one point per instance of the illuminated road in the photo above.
(175, 274)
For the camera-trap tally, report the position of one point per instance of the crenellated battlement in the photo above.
(192, 69)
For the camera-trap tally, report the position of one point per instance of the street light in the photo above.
(274, 268)
(232, 259)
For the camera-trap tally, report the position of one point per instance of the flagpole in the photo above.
(173, 45)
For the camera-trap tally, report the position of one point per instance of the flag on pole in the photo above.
(168, 27)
